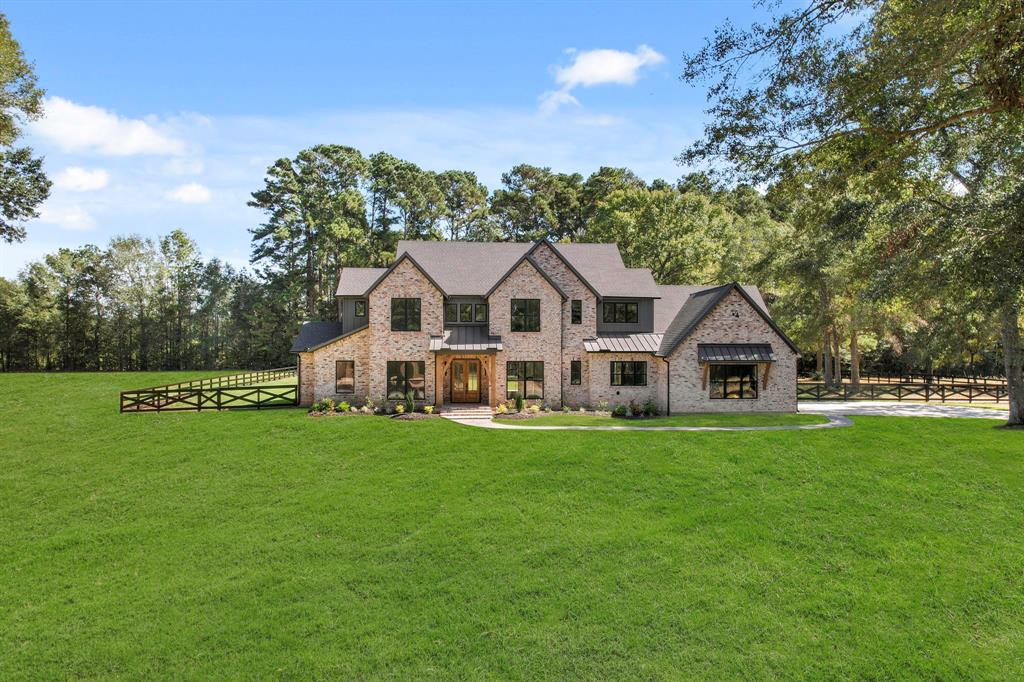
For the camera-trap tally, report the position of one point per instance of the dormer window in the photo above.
(621, 312)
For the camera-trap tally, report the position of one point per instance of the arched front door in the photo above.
(465, 381)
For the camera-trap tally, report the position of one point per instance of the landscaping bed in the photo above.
(699, 419)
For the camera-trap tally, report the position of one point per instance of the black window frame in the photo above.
(624, 373)
(744, 385)
(400, 369)
(361, 303)
(451, 312)
(576, 311)
(628, 311)
(465, 313)
(337, 377)
(528, 317)
(408, 313)
(575, 372)
(477, 309)
(524, 372)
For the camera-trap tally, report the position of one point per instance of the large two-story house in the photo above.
(558, 324)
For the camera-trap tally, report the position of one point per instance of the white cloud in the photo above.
(597, 67)
(67, 217)
(191, 193)
(79, 179)
(79, 128)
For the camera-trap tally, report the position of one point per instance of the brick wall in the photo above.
(526, 282)
(319, 374)
(572, 334)
(732, 321)
(405, 281)
(600, 381)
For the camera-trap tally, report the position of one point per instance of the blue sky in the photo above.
(165, 115)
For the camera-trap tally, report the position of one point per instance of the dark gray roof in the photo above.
(699, 304)
(601, 265)
(356, 281)
(314, 334)
(536, 266)
(623, 343)
(673, 296)
(735, 352)
(464, 268)
(465, 339)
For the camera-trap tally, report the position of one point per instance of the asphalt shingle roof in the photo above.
(464, 268)
(602, 266)
(355, 281)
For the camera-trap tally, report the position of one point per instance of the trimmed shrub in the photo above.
(520, 402)
(650, 408)
(621, 411)
(343, 406)
(428, 409)
(502, 408)
(399, 408)
(535, 408)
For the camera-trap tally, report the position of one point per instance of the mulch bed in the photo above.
(415, 416)
(530, 415)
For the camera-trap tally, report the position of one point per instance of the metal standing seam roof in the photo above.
(470, 338)
(623, 343)
(735, 352)
(315, 334)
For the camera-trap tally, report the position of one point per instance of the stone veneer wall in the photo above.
(732, 321)
(601, 388)
(317, 369)
(572, 334)
(546, 345)
(405, 281)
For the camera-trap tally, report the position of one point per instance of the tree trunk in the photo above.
(827, 357)
(1013, 353)
(819, 365)
(837, 374)
(854, 360)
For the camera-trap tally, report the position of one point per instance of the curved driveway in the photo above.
(879, 408)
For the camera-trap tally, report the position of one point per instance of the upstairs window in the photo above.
(360, 308)
(577, 311)
(345, 376)
(621, 312)
(451, 312)
(405, 314)
(526, 314)
(465, 312)
(733, 381)
(629, 373)
(481, 312)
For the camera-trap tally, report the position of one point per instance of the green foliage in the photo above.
(650, 408)
(519, 402)
(343, 406)
(621, 410)
(322, 405)
(410, 405)
(400, 408)
(428, 409)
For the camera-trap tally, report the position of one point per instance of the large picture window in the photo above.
(577, 311)
(405, 376)
(526, 314)
(734, 381)
(405, 314)
(525, 378)
(629, 373)
(621, 312)
(345, 376)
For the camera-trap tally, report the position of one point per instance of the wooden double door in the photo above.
(465, 381)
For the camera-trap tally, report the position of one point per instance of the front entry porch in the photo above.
(464, 379)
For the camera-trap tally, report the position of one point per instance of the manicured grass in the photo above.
(274, 545)
(751, 419)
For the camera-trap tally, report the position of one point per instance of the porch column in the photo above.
(492, 381)
(438, 380)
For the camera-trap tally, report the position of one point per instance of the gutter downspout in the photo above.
(668, 388)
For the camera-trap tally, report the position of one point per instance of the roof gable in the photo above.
(401, 259)
(699, 305)
(527, 258)
(464, 268)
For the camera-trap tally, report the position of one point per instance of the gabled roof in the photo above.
(398, 261)
(312, 335)
(566, 263)
(697, 307)
(465, 268)
(674, 296)
(536, 266)
(357, 281)
(602, 267)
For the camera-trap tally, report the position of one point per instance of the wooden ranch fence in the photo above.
(927, 392)
(233, 391)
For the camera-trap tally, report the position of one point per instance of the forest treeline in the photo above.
(145, 304)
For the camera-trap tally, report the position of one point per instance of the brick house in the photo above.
(559, 324)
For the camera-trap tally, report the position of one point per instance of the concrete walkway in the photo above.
(834, 421)
(880, 408)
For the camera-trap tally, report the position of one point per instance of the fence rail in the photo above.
(233, 391)
(918, 378)
(901, 391)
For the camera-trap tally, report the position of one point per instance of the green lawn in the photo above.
(751, 419)
(273, 545)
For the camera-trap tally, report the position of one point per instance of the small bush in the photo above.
(428, 409)
(566, 409)
(410, 406)
(602, 405)
(323, 405)
(583, 408)
(650, 408)
(366, 409)
(535, 408)
(399, 408)
(342, 406)
(502, 408)
(620, 411)
(520, 403)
